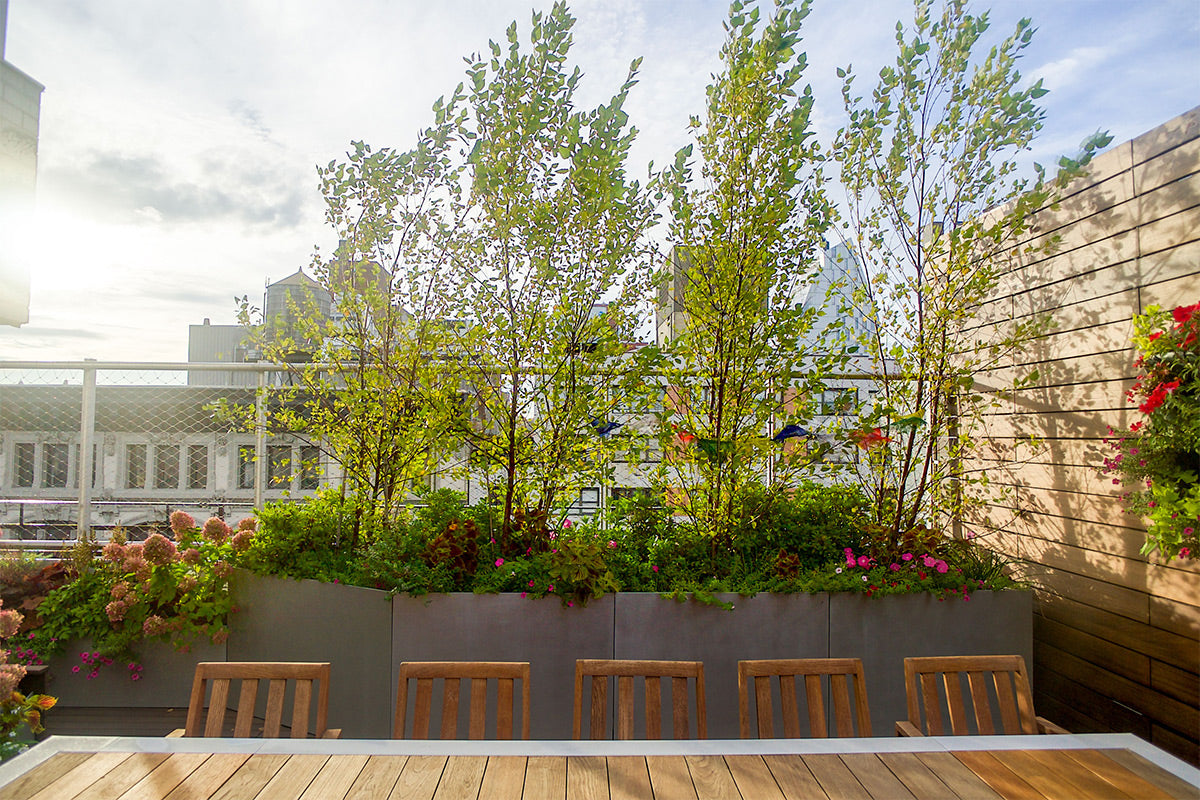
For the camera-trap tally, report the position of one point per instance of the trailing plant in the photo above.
(1157, 459)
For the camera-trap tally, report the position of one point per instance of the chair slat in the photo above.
(478, 689)
(843, 719)
(979, 699)
(954, 702)
(789, 706)
(599, 705)
(625, 707)
(679, 709)
(816, 706)
(1028, 718)
(762, 701)
(245, 715)
(450, 693)
(421, 713)
(653, 706)
(504, 708)
(274, 713)
(300, 705)
(217, 706)
(933, 713)
(1009, 716)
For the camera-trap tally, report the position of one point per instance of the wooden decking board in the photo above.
(1007, 784)
(419, 778)
(43, 775)
(876, 777)
(545, 777)
(794, 777)
(336, 777)
(587, 778)
(1119, 776)
(711, 777)
(1061, 766)
(293, 777)
(209, 776)
(628, 778)
(1152, 773)
(669, 777)
(120, 779)
(253, 775)
(461, 778)
(957, 777)
(835, 777)
(58, 777)
(377, 778)
(753, 778)
(920, 780)
(504, 778)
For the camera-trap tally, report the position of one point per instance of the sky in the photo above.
(179, 140)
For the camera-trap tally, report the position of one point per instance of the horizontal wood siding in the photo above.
(1116, 636)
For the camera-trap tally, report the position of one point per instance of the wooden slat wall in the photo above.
(1116, 637)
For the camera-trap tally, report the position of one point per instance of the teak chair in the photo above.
(1004, 674)
(452, 673)
(222, 673)
(840, 672)
(600, 670)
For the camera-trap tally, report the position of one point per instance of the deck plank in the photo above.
(923, 782)
(628, 778)
(587, 778)
(876, 777)
(253, 775)
(504, 778)
(461, 778)
(711, 778)
(210, 776)
(794, 778)
(835, 778)
(957, 777)
(753, 777)
(377, 778)
(293, 777)
(995, 774)
(545, 778)
(167, 776)
(336, 777)
(1147, 770)
(419, 778)
(123, 776)
(43, 775)
(669, 778)
(70, 782)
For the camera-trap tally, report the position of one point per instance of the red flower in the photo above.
(1135, 427)
(868, 439)
(1156, 397)
(1155, 335)
(1184, 313)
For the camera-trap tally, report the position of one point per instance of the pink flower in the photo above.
(566, 523)
(181, 521)
(894, 567)
(75, 668)
(531, 584)
(242, 540)
(216, 529)
(499, 562)
(906, 557)
(1185, 552)
(851, 561)
(941, 566)
(550, 588)
(158, 549)
(863, 561)
(654, 567)
(192, 556)
(247, 524)
(523, 595)
(612, 543)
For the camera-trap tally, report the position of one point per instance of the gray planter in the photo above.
(366, 634)
(166, 677)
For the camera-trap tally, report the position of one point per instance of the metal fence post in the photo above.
(87, 426)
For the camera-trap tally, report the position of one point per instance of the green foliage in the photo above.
(17, 710)
(928, 160)
(744, 229)
(1158, 458)
(311, 539)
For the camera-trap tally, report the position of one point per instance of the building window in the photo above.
(23, 464)
(166, 466)
(135, 466)
(310, 467)
(55, 465)
(197, 466)
(79, 466)
(839, 402)
(245, 477)
(279, 466)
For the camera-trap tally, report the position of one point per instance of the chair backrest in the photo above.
(221, 673)
(1004, 675)
(840, 672)
(452, 673)
(600, 670)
